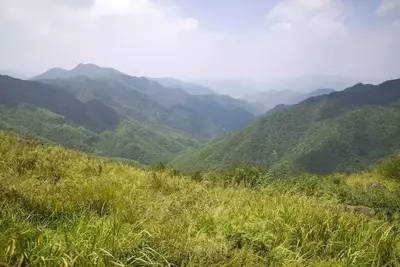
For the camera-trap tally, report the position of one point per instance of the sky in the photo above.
(207, 39)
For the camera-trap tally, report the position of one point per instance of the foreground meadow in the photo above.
(65, 208)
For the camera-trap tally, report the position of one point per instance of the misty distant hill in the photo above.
(87, 70)
(234, 87)
(268, 99)
(191, 88)
(145, 99)
(309, 83)
(242, 88)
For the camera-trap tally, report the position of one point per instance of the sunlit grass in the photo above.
(63, 208)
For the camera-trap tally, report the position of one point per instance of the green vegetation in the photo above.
(64, 208)
(130, 139)
(341, 132)
(44, 111)
(42, 124)
(105, 112)
(93, 115)
(391, 167)
(144, 143)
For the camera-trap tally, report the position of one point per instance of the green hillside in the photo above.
(93, 114)
(343, 131)
(46, 112)
(64, 208)
(130, 139)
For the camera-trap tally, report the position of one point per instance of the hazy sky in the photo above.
(258, 39)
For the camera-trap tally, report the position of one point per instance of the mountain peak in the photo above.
(53, 73)
(89, 70)
(56, 69)
(86, 66)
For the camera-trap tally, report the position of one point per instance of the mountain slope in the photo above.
(338, 132)
(46, 112)
(150, 99)
(317, 92)
(132, 103)
(191, 88)
(93, 114)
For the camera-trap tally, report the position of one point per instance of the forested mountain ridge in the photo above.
(47, 112)
(200, 116)
(131, 103)
(105, 112)
(342, 131)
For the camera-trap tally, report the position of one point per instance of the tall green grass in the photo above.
(64, 208)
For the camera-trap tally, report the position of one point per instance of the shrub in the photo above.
(390, 168)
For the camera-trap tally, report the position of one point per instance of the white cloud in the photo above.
(136, 35)
(145, 37)
(314, 16)
(389, 7)
(390, 10)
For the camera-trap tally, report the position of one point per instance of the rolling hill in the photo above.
(342, 131)
(47, 112)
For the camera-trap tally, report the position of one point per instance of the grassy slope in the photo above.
(60, 207)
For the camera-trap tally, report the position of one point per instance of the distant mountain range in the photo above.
(200, 116)
(266, 100)
(339, 132)
(103, 111)
(242, 88)
(310, 83)
(234, 87)
(106, 112)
